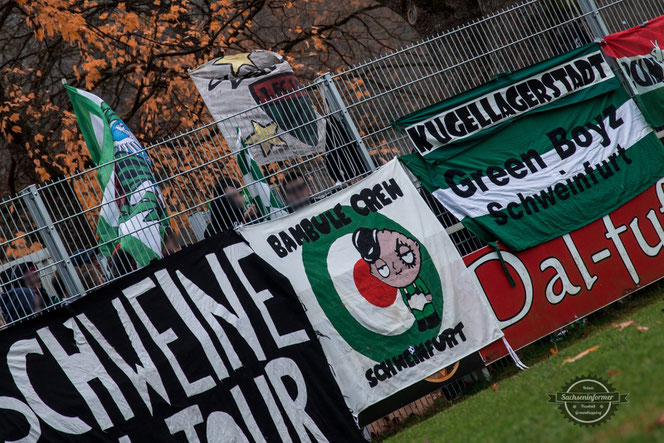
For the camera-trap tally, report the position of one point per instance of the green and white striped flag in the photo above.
(132, 211)
(537, 153)
(257, 191)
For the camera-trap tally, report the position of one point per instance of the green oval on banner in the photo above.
(376, 346)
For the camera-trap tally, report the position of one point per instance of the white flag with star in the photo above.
(253, 92)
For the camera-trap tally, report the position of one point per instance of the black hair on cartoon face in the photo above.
(365, 241)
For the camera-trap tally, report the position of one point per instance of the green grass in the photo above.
(631, 360)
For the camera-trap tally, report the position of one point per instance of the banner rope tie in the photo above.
(495, 247)
(519, 364)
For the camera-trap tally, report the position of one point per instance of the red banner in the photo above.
(640, 55)
(572, 276)
(645, 39)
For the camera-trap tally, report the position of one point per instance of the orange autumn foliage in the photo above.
(135, 54)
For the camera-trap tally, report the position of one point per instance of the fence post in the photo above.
(53, 241)
(599, 29)
(336, 103)
(594, 19)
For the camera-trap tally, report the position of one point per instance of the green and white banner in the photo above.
(564, 146)
(258, 191)
(132, 210)
(383, 285)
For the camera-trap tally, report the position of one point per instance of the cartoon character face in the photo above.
(121, 131)
(399, 262)
(123, 139)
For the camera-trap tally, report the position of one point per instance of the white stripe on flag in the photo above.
(98, 126)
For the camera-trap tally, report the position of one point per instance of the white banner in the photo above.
(232, 87)
(382, 284)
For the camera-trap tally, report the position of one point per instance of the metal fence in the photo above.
(52, 226)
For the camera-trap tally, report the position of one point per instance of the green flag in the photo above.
(257, 191)
(132, 211)
(537, 153)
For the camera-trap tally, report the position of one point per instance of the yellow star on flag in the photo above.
(265, 137)
(236, 61)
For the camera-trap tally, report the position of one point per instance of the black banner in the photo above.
(210, 344)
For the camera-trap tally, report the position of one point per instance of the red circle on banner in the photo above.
(373, 290)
